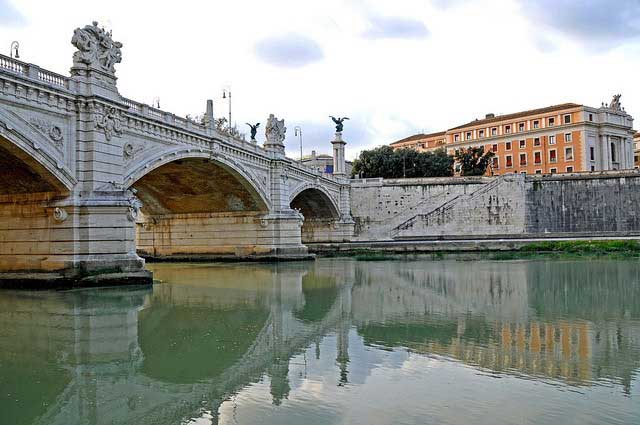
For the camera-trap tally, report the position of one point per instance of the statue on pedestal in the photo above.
(254, 130)
(96, 48)
(275, 130)
(615, 102)
(338, 122)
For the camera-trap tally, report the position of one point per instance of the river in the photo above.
(335, 341)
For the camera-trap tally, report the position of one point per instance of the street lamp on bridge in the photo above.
(226, 93)
(298, 132)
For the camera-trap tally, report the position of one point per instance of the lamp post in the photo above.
(226, 93)
(298, 132)
(14, 48)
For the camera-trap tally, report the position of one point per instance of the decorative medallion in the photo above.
(59, 214)
(52, 130)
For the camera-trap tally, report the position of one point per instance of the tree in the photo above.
(473, 161)
(388, 163)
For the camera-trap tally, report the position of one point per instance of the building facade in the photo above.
(324, 163)
(562, 138)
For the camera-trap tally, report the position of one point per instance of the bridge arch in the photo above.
(321, 213)
(314, 201)
(32, 165)
(201, 170)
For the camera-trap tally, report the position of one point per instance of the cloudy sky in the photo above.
(395, 67)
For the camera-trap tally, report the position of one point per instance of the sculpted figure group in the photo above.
(96, 48)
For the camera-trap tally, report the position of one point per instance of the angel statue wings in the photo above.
(338, 122)
(254, 129)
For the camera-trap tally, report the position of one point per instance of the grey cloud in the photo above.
(597, 23)
(396, 27)
(288, 50)
(9, 15)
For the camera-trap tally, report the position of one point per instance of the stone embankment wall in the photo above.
(580, 204)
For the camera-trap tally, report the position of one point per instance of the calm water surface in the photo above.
(337, 341)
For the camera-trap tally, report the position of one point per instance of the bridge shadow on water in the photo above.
(192, 343)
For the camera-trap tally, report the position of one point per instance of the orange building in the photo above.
(557, 139)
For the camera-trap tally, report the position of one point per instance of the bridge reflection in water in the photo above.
(188, 347)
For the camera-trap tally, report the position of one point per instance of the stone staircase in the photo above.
(444, 208)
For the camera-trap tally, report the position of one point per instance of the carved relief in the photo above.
(59, 214)
(96, 48)
(130, 150)
(134, 205)
(109, 121)
(53, 131)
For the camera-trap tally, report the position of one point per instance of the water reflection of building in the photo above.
(572, 321)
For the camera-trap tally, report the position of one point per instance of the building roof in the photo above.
(419, 136)
(516, 115)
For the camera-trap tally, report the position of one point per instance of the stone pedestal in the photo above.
(339, 165)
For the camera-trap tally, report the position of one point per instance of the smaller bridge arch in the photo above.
(321, 213)
(315, 200)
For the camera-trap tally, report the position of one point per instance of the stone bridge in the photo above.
(91, 178)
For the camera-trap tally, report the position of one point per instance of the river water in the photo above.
(336, 341)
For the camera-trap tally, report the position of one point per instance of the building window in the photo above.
(456, 138)
(523, 159)
(468, 135)
(567, 119)
(613, 152)
(523, 144)
(552, 140)
(567, 137)
(592, 153)
(552, 155)
(537, 157)
(494, 131)
(507, 129)
(569, 169)
(524, 173)
(481, 133)
(551, 121)
(494, 148)
(521, 127)
(593, 168)
(509, 161)
(568, 154)
(536, 124)
(591, 117)
(495, 163)
(536, 141)
(507, 146)
(553, 170)
(538, 171)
